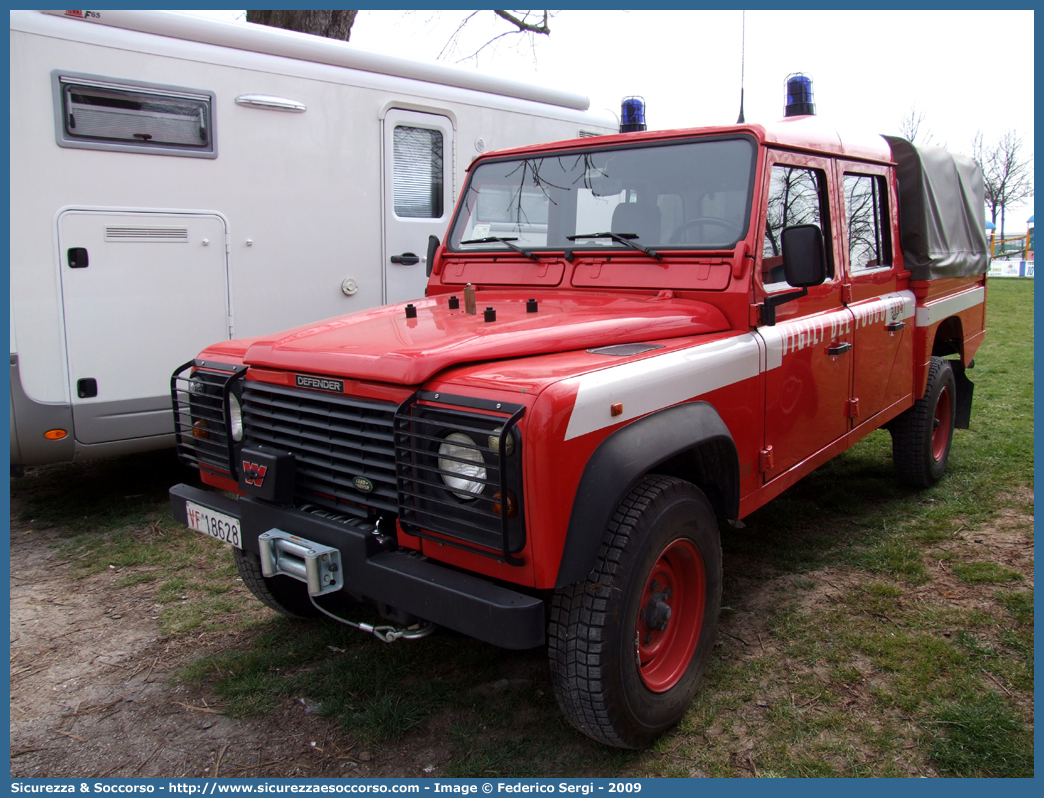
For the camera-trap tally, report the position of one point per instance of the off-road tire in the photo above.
(922, 435)
(595, 626)
(283, 594)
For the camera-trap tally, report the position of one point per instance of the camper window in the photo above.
(418, 170)
(105, 114)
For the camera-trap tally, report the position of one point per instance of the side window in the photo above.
(869, 245)
(797, 195)
(418, 172)
(105, 114)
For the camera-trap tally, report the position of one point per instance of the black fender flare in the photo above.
(622, 459)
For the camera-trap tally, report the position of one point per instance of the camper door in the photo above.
(142, 294)
(418, 197)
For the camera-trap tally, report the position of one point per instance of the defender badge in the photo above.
(362, 484)
(318, 383)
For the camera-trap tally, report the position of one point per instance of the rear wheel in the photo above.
(283, 594)
(629, 644)
(922, 435)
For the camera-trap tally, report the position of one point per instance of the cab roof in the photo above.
(805, 133)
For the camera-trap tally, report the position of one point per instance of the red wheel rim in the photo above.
(941, 425)
(670, 616)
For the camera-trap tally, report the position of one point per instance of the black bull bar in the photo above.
(414, 584)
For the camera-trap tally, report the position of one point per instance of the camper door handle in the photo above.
(406, 259)
(77, 257)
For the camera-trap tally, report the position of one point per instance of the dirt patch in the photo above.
(93, 695)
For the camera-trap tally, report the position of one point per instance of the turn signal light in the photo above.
(494, 444)
(512, 509)
(55, 434)
(200, 430)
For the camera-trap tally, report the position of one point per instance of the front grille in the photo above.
(341, 445)
(364, 458)
(199, 394)
(433, 436)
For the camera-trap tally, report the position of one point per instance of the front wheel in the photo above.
(922, 435)
(629, 645)
(283, 594)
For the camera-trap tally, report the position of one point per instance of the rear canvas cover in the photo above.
(942, 211)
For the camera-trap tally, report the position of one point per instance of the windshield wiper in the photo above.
(505, 241)
(621, 238)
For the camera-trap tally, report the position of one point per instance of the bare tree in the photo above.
(910, 126)
(1007, 173)
(329, 23)
(521, 22)
(338, 25)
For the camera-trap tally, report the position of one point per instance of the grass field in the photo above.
(868, 630)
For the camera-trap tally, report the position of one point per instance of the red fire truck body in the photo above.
(637, 364)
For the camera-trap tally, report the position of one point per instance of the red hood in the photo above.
(383, 345)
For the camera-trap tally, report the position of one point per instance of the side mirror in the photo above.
(804, 256)
(804, 265)
(433, 246)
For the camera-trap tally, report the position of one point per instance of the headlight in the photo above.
(235, 417)
(461, 447)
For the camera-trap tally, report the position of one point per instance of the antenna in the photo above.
(743, 63)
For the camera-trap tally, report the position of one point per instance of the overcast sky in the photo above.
(965, 70)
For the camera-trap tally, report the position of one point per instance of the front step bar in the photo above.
(403, 579)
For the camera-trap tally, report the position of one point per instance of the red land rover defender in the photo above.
(624, 340)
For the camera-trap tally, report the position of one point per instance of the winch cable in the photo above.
(387, 634)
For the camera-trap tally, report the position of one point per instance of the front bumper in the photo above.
(405, 580)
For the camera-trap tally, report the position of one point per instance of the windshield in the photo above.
(691, 195)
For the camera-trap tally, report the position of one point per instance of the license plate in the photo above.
(218, 525)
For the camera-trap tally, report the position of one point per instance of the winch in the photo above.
(319, 566)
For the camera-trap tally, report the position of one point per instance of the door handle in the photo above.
(839, 349)
(77, 257)
(895, 326)
(406, 259)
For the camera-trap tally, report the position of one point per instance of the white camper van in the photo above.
(176, 181)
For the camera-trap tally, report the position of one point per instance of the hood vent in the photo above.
(624, 350)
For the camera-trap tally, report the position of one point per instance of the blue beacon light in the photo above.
(632, 115)
(799, 96)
